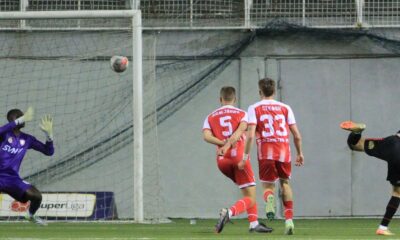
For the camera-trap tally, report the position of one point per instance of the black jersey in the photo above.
(387, 149)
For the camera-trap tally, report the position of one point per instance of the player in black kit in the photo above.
(387, 149)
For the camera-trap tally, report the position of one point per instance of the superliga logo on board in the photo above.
(53, 205)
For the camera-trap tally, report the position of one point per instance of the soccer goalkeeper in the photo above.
(13, 145)
(387, 149)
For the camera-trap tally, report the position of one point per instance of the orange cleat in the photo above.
(352, 126)
(384, 232)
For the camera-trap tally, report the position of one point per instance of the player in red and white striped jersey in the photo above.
(271, 122)
(225, 128)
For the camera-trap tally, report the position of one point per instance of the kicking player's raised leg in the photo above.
(352, 126)
(355, 141)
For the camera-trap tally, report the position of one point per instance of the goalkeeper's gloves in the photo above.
(28, 116)
(47, 127)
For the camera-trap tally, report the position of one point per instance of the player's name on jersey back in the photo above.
(225, 111)
(271, 108)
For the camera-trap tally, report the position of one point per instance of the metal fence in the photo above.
(225, 14)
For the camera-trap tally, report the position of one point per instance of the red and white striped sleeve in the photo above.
(206, 124)
(245, 117)
(291, 120)
(252, 115)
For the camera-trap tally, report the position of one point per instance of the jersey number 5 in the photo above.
(269, 129)
(225, 122)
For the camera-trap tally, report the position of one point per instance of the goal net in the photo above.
(60, 65)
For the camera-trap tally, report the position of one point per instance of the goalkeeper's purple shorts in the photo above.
(13, 186)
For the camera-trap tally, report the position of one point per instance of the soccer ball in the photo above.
(119, 63)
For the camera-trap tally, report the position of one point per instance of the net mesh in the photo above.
(68, 75)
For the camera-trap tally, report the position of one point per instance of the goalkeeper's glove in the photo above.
(28, 116)
(47, 127)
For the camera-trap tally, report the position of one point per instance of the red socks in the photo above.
(267, 193)
(241, 205)
(252, 214)
(288, 205)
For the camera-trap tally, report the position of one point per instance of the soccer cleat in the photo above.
(289, 227)
(384, 232)
(270, 207)
(261, 228)
(352, 126)
(223, 219)
(37, 220)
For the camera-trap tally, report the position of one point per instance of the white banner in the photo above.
(53, 205)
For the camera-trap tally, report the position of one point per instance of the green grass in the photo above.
(181, 229)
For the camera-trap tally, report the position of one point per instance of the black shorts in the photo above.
(387, 149)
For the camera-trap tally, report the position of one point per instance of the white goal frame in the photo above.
(135, 15)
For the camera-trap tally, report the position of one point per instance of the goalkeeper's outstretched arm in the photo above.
(16, 118)
(47, 127)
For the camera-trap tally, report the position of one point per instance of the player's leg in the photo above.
(23, 192)
(287, 200)
(354, 140)
(35, 197)
(391, 209)
(284, 170)
(229, 169)
(269, 199)
(268, 176)
(252, 214)
(245, 180)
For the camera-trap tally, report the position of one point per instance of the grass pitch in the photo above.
(203, 229)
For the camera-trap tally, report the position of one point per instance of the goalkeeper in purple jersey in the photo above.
(13, 147)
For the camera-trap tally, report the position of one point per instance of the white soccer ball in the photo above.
(119, 63)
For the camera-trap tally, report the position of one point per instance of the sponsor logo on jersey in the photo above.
(10, 140)
(22, 142)
(9, 149)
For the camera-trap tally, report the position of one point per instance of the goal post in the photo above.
(138, 119)
(137, 76)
